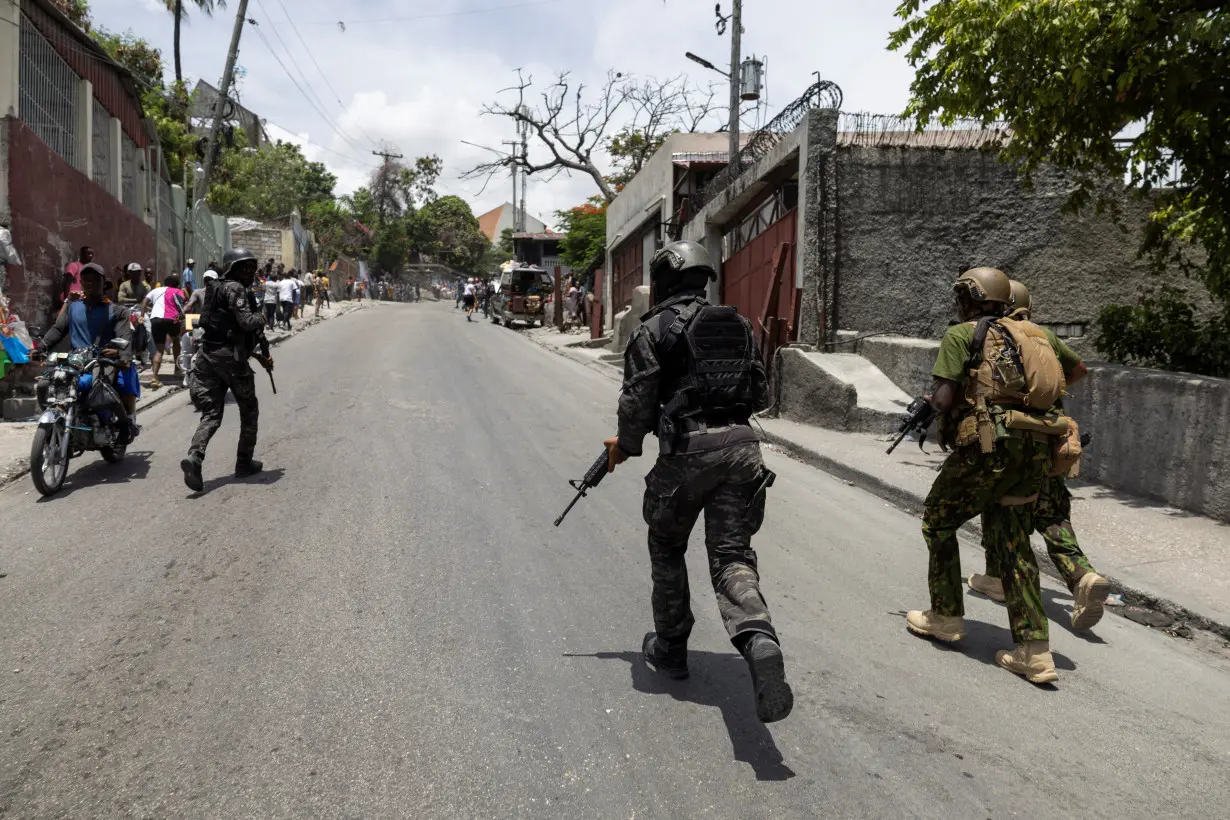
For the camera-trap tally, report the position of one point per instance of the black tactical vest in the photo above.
(707, 355)
(219, 325)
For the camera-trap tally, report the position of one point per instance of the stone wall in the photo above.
(265, 243)
(910, 219)
(1159, 435)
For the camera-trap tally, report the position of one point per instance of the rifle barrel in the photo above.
(564, 514)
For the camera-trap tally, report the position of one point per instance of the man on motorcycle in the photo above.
(232, 330)
(94, 320)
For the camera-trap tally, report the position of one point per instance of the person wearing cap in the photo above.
(197, 301)
(131, 294)
(189, 276)
(93, 321)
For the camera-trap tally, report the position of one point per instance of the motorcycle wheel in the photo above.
(48, 442)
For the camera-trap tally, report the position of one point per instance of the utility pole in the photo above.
(224, 88)
(387, 159)
(736, 58)
(525, 174)
(516, 170)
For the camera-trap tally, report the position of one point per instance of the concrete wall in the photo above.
(911, 219)
(1160, 435)
(55, 210)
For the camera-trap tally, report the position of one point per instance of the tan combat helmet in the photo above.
(985, 285)
(1021, 300)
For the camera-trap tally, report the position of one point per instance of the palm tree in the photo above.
(176, 7)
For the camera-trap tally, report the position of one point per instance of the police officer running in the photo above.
(694, 377)
(232, 327)
(996, 382)
(1052, 515)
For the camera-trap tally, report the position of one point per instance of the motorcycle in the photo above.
(79, 414)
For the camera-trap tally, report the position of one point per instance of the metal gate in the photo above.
(758, 280)
(627, 264)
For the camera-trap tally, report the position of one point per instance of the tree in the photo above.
(585, 229)
(506, 242)
(575, 128)
(1068, 78)
(447, 230)
(178, 9)
(269, 183)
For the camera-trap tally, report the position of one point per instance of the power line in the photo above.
(320, 71)
(322, 114)
(344, 23)
(320, 106)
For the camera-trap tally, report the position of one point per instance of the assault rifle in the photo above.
(918, 417)
(262, 343)
(592, 479)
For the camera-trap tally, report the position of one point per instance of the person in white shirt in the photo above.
(271, 300)
(468, 299)
(287, 288)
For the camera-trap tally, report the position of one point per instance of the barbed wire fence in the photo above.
(893, 131)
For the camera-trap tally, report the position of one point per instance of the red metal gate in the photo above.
(756, 280)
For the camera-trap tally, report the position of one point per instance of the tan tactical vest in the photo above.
(1018, 367)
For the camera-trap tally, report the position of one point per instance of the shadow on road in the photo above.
(134, 467)
(263, 477)
(719, 680)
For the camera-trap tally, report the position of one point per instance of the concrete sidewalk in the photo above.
(15, 437)
(1155, 556)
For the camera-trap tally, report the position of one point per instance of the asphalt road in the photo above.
(387, 625)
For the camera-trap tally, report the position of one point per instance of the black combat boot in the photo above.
(248, 467)
(665, 659)
(774, 700)
(192, 473)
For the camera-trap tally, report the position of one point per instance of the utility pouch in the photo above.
(1066, 453)
(967, 431)
(1048, 425)
(985, 426)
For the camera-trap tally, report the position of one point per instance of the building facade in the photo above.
(80, 163)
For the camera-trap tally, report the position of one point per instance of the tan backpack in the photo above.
(1012, 363)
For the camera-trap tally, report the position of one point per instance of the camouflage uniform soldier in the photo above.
(991, 374)
(231, 326)
(693, 376)
(1053, 512)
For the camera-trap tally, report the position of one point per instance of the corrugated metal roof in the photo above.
(543, 237)
(689, 157)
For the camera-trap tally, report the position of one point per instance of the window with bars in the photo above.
(47, 88)
(100, 145)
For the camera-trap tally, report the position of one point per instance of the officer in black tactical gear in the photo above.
(232, 327)
(694, 377)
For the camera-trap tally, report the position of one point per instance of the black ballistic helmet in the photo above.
(680, 266)
(235, 256)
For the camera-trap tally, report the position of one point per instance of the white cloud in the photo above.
(419, 85)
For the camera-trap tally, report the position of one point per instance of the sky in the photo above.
(413, 75)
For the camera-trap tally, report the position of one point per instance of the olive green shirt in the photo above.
(954, 353)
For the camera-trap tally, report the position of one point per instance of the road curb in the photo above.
(23, 468)
(607, 369)
(913, 503)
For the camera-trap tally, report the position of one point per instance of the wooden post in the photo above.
(558, 318)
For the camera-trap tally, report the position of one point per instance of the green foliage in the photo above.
(629, 151)
(447, 230)
(1164, 331)
(269, 183)
(585, 229)
(1067, 78)
(506, 242)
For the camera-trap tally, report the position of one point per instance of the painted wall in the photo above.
(55, 210)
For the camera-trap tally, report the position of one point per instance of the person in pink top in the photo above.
(70, 289)
(166, 311)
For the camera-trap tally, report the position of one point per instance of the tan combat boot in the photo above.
(993, 588)
(1031, 659)
(940, 627)
(1091, 592)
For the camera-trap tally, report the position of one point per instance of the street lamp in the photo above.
(705, 63)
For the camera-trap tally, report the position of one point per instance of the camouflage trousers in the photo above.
(724, 484)
(1052, 518)
(972, 484)
(214, 373)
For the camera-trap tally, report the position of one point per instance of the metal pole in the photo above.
(525, 176)
(515, 168)
(220, 103)
(736, 57)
